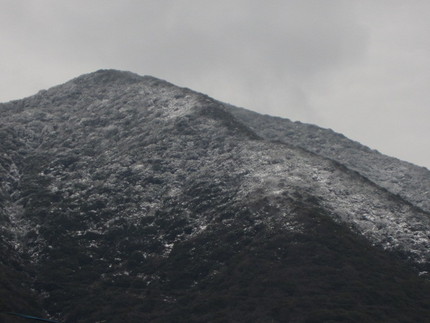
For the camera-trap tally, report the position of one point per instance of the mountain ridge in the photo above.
(151, 195)
(210, 107)
(400, 177)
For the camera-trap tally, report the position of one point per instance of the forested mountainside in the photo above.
(126, 198)
(409, 181)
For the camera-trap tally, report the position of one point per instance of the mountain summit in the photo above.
(128, 198)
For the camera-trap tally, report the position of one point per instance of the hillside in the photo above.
(126, 198)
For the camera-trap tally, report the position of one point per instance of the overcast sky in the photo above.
(359, 67)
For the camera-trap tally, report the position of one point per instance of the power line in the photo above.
(30, 317)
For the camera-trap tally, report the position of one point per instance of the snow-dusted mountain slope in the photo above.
(118, 184)
(411, 182)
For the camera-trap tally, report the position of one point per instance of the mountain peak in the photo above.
(101, 81)
(127, 197)
(115, 77)
(108, 75)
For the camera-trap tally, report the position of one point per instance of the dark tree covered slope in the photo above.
(126, 198)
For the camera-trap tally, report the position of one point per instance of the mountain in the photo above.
(126, 198)
(409, 181)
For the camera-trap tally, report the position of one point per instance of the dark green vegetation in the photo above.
(324, 273)
(126, 199)
(15, 286)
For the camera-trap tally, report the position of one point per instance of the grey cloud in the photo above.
(177, 38)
